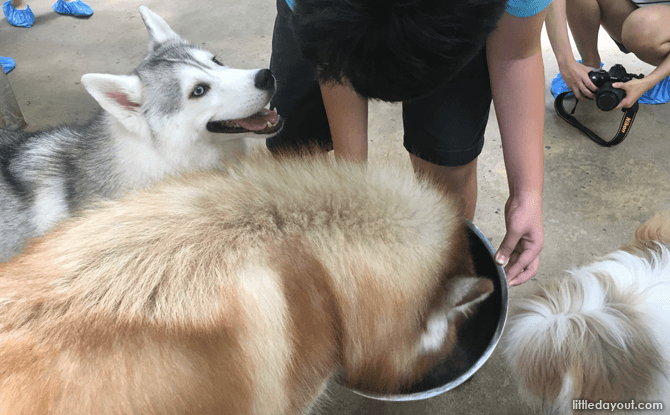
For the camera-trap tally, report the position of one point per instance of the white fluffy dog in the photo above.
(599, 337)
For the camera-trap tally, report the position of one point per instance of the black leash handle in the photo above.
(624, 128)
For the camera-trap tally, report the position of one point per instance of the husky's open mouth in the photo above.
(263, 122)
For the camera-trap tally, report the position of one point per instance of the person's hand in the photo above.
(524, 239)
(634, 88)
(576, 77)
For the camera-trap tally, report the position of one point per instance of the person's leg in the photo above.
(18, 4)
(444, 131)
(298, 97)
(584, 21)
(646, 33)
(613, 14)
(460, 181)
(585, 18)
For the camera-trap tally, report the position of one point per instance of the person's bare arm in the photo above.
(517, 80)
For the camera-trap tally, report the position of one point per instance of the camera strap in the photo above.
(624, 128)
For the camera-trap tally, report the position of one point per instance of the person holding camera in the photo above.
(641, 27)
(445, 61)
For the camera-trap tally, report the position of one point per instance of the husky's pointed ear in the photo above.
(159, 31)
(120, 95)
(465, 293)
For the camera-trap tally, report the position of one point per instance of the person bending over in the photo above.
(445, 60)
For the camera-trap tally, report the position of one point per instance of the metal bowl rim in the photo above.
(482, 359)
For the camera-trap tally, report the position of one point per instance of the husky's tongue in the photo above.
(258, 121)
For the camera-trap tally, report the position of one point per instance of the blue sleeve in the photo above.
(518, 8)
(525, 8)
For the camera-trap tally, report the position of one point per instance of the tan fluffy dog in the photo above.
(239, 294)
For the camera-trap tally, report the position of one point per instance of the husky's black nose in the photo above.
(265, 81)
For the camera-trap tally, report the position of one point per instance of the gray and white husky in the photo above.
(172, 114)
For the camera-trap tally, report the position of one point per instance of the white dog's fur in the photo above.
(599, 333)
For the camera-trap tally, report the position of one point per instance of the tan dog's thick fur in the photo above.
(238, 294)
(599, 335)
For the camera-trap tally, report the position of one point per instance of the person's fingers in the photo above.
(529, 272)
(590, 86)
(631, 95)
(527, 255)
(583, 94)
(513, 259)
(577, 79)
(588, 92)
(507, 247)
(579, 95)
(574, 86)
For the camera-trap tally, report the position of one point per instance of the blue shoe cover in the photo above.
(659, 94)
(75, 8)
(558, 86)
(7, 63)
(21, 18)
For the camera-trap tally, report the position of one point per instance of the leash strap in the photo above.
(624, 128)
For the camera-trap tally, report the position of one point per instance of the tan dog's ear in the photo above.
(655, 230)
(465, 293)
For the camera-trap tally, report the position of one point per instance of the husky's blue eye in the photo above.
(200, 90)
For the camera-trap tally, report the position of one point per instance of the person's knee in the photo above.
(646, 33)
(455, 178)
(459, 181)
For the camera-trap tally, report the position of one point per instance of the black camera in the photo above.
(607, 97)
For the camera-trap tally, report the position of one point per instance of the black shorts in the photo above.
(445, 127)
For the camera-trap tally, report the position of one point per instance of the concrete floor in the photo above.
(593, 199)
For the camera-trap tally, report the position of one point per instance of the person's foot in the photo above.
(74, 8)
(658, 94)
(7, 63)
(17, 17)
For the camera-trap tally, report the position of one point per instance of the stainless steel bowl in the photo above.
(478, 336)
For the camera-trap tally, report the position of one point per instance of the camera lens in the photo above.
(608, 97)
(607, 101)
